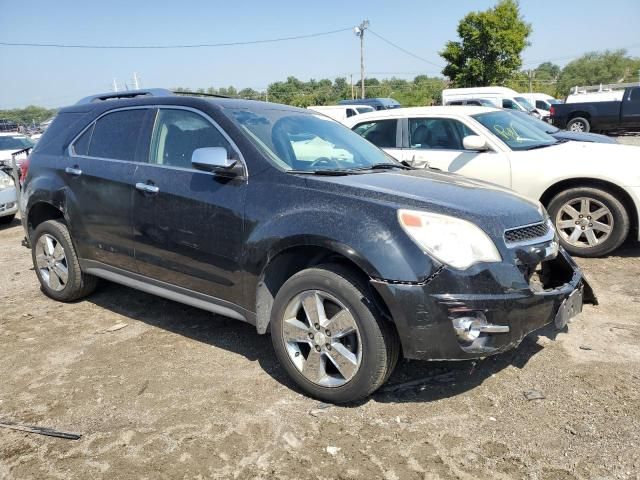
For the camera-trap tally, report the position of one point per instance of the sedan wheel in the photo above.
(51, 261)
(584, 222)
(322, 338)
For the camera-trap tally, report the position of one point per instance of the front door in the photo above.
(630, 114)
(188, 224)
(384, 133)
(437, 143)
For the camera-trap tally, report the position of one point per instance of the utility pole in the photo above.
(351, 81)
(136, 85)
(530, 81)
(359, 31)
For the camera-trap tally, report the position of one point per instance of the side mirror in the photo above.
(212, 159)
(475, 142)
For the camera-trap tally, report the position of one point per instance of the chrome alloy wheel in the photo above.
(577, 127)
(584, 222)
(51, 261)
(322, 338)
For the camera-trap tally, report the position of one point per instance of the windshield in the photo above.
(542, 125)
(512, 129)
(15, 143)
(365, 109)
(308, 142)
(525, 103)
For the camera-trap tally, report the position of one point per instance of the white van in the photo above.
(541, 101)
(501, 97)
(340, 113)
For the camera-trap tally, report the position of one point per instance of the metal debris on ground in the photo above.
(533, 395)
(585, 347)
(441, 378)
(40, 430)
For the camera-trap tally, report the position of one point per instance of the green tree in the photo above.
(29, 115)
(490, 45)
(547, 71)
(598, 67)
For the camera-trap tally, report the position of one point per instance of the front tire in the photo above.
(56, 263)
(590, 222)
(329, 335)
(579, 124)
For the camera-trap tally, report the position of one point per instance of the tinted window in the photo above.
(506, 103)
(437, 133)
(15, 143)
(178, 133)
(542, 105)
(634, 96)
(81, 146)
(116, 135)
(351, 112)
(381, 133)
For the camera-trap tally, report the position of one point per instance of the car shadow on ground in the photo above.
(13, 223)
(630, 248)
(412, 381)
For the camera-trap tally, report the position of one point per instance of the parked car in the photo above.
(558, 134)
(592, 190)
(616, 115)
(8, 198)
(541, 101)
(377, 103)
(8, 125)
(347, 261)
(341, 112)
(11, 143)
(501, 97)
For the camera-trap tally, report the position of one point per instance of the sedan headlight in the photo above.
(5, 181)
(450, 240)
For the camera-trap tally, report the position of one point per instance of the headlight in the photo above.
(450, 240)
(5, 181)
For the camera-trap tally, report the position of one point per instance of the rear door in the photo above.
(384, 133)
(630, 114)
(99, 174)
(188, 223)
(436, 142)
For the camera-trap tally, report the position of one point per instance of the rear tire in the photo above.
(579, 124)
(590, 222)
(358, 363)
(56, 263)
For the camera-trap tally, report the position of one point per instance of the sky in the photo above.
(54, 77)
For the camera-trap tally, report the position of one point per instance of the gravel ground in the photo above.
(629, 139)
(179, 393)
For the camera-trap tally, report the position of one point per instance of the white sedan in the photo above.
(592, 191)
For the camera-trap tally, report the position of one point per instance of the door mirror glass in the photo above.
(211, 159)
(475, 142)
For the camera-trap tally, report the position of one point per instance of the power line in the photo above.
(404, 50)
(148, 47)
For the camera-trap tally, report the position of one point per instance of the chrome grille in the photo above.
(527, 233)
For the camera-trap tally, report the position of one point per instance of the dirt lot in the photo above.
(179, 393)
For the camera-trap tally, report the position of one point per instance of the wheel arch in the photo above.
(619, 192)
(581, 113)
(40, 212)
(295, 258)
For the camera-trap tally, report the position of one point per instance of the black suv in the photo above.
(285, 219)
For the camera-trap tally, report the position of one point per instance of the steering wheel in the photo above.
(325, 161)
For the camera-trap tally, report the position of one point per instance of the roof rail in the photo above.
(199, 94)
(149, 92)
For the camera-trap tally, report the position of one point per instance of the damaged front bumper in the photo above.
(487, 309)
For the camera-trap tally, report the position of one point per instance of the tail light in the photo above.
(552, 111)
(24, 168)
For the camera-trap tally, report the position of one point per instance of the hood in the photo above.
(489, 206)
(583, 137)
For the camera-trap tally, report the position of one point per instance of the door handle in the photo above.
(145, 187)
(76, 172)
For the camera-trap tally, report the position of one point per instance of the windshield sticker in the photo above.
(508, 133)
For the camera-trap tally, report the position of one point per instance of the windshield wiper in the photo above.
(386, 166)
(329, 173)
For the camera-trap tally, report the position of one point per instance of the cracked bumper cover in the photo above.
(500, 292)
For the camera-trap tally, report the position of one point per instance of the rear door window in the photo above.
(115, 136)
(81, 145)
(382, 133)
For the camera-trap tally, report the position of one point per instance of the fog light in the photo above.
(467, 328)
